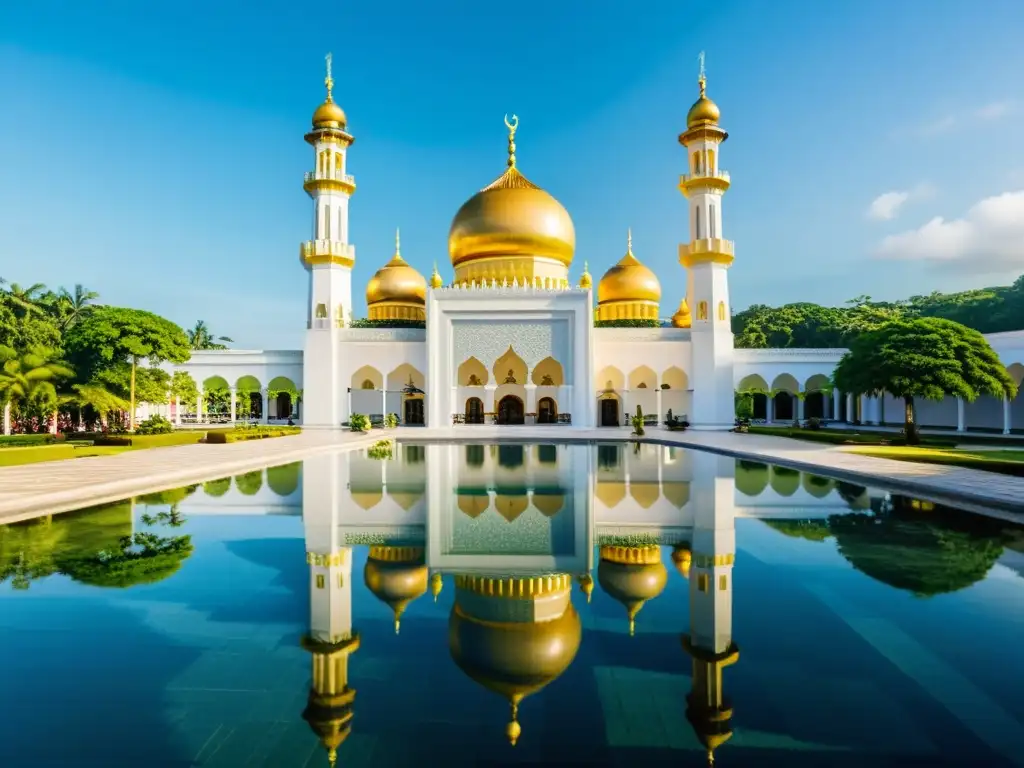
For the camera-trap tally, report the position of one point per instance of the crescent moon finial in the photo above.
(514, 124)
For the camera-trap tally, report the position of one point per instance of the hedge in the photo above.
(249, 433)
(845, 437)
(150, 441)
(22, 441)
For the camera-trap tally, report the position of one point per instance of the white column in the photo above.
(266, 406)
(836, 403)
(531, 398)
(769, 408)
(384, 402)
(234, 404)
(661, 416)
(849, 408)
(7, 418)
(799, 407)
(177, 411)
(960, 414)
(626, 414)
(1007, 421)
(348, 412)
(865, 414)
(199, 406)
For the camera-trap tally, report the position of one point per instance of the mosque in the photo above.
(511, 338)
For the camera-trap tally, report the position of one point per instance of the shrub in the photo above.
(367, 323)
(391, 420)
(249, 433)
(154, 425)
(627, 324)
(813, 423)
(382, 449)
(113, 442)
(638, 422)
(359, 422)
(22, 441)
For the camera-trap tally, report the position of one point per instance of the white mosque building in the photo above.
(510, 338)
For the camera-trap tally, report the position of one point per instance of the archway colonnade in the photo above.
(511, 392)
(246, 398)
(656, 393)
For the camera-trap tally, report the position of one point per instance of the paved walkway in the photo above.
(50, 487)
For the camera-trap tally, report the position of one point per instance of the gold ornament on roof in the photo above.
(329, 114)
(682, 318)
(512, 126)
(704, 112)
(396, 290)
(629, 282)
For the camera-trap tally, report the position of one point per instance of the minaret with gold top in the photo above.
(709, 643)
(331, 638)
(707, 258)
(329, 258)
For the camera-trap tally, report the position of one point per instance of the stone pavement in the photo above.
(51, 487)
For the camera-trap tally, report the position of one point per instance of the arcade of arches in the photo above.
(245, 399)
(511, 393)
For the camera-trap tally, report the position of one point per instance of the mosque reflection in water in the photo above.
(513, 530)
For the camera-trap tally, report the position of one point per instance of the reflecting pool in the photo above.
(494, 604)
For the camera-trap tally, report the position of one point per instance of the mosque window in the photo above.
(723, 583)
(703, 582)
(327, 221)
(321, 312)
(702, 310)
(319, 581)
(341, 235)
(712, 224)
(698, 229)
(367, 384)
(722, 314)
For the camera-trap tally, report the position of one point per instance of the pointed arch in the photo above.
(473, 373)
(510, 366)
(610, 378)
(643, 377)
(610, 492)
(404, 375)
(548, 373)
(785, 382)
(675, 378)
(367, 374)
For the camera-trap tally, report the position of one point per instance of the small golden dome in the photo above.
(682, 318)
(703, 112)
(511, 217)
(632, 575)
(586, 281)
(396, 282)
(396, 576)
(629, 280)
(682, 559)
(329, 115)
(514, 659)
(435, 278)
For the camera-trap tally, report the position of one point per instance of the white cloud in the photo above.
(946, 123)
(887, 205)
(988, 239)
(994, 111)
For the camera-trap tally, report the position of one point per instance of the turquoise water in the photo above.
(597, 605)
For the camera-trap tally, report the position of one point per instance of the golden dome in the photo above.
(629, 280)
(703, 112)
(682, 558)
(435, 278)
(329, 115)
(585, 279)
(396, 576)
(396, 283)
(514, 659)
(632, 575)
(514, 221)
(682, 318)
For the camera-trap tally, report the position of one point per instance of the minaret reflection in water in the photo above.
(709, 569)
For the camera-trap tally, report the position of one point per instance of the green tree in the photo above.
(923, 357)
(28, 381)
(200, 337)
(115, 335)
(97, 397)
(73, 306)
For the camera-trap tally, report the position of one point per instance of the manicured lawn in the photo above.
(844, 436)
(1007, 462)
(76, 450)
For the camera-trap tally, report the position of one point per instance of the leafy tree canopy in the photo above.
(121, 335)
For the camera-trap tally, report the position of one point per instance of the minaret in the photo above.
(331, 639)
(707, 258)
(329, 259)
(710, 642)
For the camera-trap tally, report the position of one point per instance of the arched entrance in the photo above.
(609, 412)
(474, 411)
(414, 411)
(510, 410)
(284, 405)
(547, 411)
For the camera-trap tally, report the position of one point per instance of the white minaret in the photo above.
(707, 258)
(710, 643)
(329, 258)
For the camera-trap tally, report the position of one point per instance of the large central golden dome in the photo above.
(512, 229)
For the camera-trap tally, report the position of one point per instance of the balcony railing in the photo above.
(709, 245)
(327, 248)
(704, 173)
(346, 178)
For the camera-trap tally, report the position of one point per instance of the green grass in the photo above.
(1006, 462)
(845, 436)
(77, 449)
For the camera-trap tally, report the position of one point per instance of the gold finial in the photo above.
(514, 729)
(632, 626)
(329, 81)
(702, 79)
(398, 242)
(332, 756)
(629, 241)
(587, 585)
(512, 127)
(711, 757)
(436, 581)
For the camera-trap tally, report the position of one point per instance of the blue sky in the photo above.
(154, 152)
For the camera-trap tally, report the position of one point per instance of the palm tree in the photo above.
(26, 299)
(200, 337)
(74, 306)
(29, 378)
(97, 397)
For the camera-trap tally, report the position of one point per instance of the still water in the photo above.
(463, 605)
